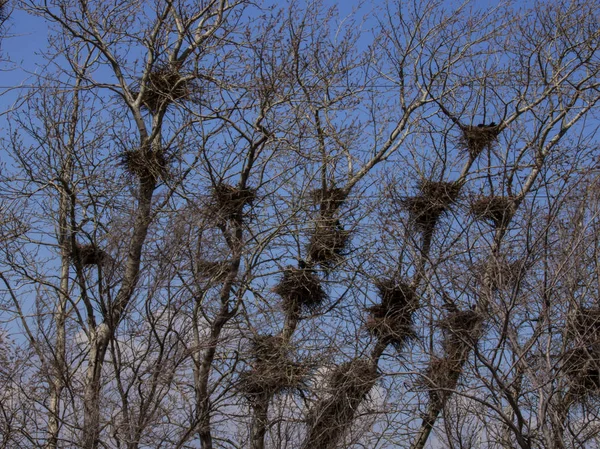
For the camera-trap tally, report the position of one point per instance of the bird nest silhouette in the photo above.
(164, 85)
(441, 377)
(391, 320)
(89, 254)
(328, 242)
(145, 163)
(435, 199)
(272, 370)
(582, 366)
(476, 138)
(300, 289)
(497, 210)
(214, 270)
(229, 201)
(329, 200)
(461, 331)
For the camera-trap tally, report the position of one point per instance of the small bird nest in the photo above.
(145, 163)
(391, 321)
(229, 201)
(435, 199)
(215, 270)
(328, 242)
(90, 254)
(476, 138)
(587, 324)
(582, 366)
(329, 200)
(272, 371)
(164, 86)
(300, 289)
(461, 329)
(497, 210)
(440, 378)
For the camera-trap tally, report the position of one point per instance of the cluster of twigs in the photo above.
(434, 200)
(300, 289)
(499, 273)
(497, 210)
(229, 201)
(146, 163)
(164, 85)
(476, 138)
(89, 254)
(214, 270)
(582, 363)
(391, 321)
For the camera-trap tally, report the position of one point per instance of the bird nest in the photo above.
(329, 200)
(500, 273)
(587, 324)
(300, 289)
(165, 85)
(145, 163)
(441, 377)
(353, 379)
(328, 242)
(89, 254)
(461, 330)
(272, 371)
(497, 210)
(435, 199)
(229, 201)
(391, 320)
(476, 138)
(582, 366)
(214, 270)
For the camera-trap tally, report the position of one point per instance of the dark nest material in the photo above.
(435, 199)
(230, 201)
(300, 289)
(164, 85)
(497, 210)
(461, 331)
(582, 365)
(441, 378)
(328, 242)
(90, 254)
(272, 371)
(476, 138)
(329, 200)
(146, 163)
(391, 320)
(349, 383)
(587, 324)
(215, 270)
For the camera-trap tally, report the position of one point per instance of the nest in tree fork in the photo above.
(582, 366)
(476, 138)
(164, 85)
(349, 383)
(441, 377)
(587, 324)
(435, 199)
(300, 289)
(328, 242)
(500, 273)
(214, 270)
(272, 371)
(498, 210)
(391, 320)
(90, 254)
(329, 200)
(146, 163)
(461, 331)
(230, 201)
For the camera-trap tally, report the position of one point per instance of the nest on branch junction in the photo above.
(329, 200)
(434, 200)
(300, 289)
(89, 254)
(272, 370)
(441, 377)
(476, 138)
(587, 324)
(582, 366)
(500, 273)
(146, 163)
(214, 270)
(497, 210)
(461, 331)
(391, 320)
(349, 384)
(164, 85)
(329, 242)
(229, 201)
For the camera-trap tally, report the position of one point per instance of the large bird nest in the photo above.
(497, 210)
(329, 200)
(461, 330)
(349, 383)
(582, 366)
(145, 163)
(300, 289)
(229, 201)
(328, 242)
(391, 320)
(165, 85)
(272, 370)
(476, 138)
(435, 199)
(89, 254)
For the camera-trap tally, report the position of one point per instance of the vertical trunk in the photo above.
(259, 422)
